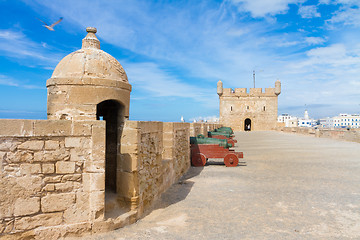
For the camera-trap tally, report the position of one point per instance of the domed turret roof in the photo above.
(90, 62)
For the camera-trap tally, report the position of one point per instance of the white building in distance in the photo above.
(290, 121)
(346, 121)
(306, 121)
(343, 120)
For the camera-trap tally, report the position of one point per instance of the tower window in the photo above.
(231, 108)
(247, 107)
(264, 108)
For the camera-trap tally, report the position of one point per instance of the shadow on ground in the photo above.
(179, 190)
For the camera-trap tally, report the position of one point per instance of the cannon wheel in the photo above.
(231, 160)
(198, 160)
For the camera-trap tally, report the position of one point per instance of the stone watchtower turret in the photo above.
(85, 81)
(90, 84)
(245, 111)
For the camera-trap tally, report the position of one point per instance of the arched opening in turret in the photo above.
(112, 112)
(247, 124)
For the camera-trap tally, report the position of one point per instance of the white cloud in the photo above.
(287, 43)
(261, 8)
(333, 60)
(4, 80)
(346, 16)
(315, 40)
(335, 2)
(330, 54)
(8, 81)
(308, 11)
(17, 45)
(156, 82)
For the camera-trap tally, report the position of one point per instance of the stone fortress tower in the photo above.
(90, 84)
(87, 82)
(249, 111)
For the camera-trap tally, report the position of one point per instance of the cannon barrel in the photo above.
(224, 129)
(228, 135)
(203, 140)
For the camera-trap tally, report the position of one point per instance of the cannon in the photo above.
(228, 135)
(201, 139)
(223, 135)
(203, 148)
(225, 129)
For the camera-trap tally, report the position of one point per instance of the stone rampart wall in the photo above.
(159, 154)
(202, 128)
(352, 135)
(52, 174)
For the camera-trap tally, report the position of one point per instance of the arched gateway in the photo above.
(247, 124)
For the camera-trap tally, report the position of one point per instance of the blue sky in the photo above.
(174, 52)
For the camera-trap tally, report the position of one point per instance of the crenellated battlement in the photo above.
(246, 109)
(253, 92)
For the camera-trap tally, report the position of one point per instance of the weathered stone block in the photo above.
(39, 156)
(97, 204)
(48, 219)
(65, 167)
(73, 142)
(8, 144)
(125, 184)
(57, 202)
(71, 177)
(19, 156)
(94, 166)
(32, 145)
(30, 168)
(82, 128)
(64, 187)
(129, 148)
(16, 127)
(79, 212)
(52, 145)
(98, 142)
(48, 168)
(49, 187)
(80, 154)
(26, 206)
(128, 162)
(31, 184)
(53, 179)
(6, 226)
(52, 128)
(57, 155)
(94, 181)
(2, 156)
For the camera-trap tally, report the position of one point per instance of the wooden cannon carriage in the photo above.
(203, 148)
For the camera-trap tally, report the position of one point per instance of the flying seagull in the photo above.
(51, 27)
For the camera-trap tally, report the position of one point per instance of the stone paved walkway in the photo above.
(293, 187)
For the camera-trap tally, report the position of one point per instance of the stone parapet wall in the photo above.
(51, 175)
(203, 128)
(156, 155)
(176, 154)
(352, 135)
(196, 129)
